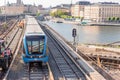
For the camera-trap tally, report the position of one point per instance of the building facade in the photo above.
(101, 12)
(55, 9)
(77, 10)
(19, 2)
(12, 10)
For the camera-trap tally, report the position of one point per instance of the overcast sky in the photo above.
(47, 3)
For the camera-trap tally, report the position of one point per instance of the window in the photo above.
(35, 44)
(29, 43)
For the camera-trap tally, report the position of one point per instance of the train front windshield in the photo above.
(35, 44)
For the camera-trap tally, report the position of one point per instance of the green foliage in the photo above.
(109, 19)
(77, 17)
(64, 16)
(38, 14)
(52, 14)
(59, 13)
(113, 19)
(118, 19)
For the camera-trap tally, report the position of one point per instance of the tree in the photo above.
(118, 19)
(38, 14)
(113, 19)
(52, 14)
(77, 17)
(109, 19)
(59, 13)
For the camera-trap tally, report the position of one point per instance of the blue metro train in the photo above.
(34, 42)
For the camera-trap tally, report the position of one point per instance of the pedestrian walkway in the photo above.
(96, 50)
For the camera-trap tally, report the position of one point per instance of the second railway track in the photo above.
(13, 40)
(62, 65)
(21, 71)
(13, 25)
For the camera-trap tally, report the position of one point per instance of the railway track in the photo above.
(96, 67)
(20, 71)
(36, 71)
(12, 42)
(4, 34)
(62, 65)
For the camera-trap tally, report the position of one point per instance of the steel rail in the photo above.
(62, 50)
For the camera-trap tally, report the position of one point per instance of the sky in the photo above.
(47, 3)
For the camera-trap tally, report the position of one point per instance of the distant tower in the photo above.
(19, 2)
(8, 4)
(71, 3)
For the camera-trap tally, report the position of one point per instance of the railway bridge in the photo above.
(64, 63)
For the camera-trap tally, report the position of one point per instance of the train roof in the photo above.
(32, 27)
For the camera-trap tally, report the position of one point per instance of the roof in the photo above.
(32, 27)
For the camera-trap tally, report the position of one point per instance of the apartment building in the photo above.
(77, 10)
(101, 12)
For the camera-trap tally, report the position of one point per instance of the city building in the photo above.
(55, 9)
(19, 2)
(31, 9)
(12, 10)
(44, 11)
(62, 7)
(77, 10)
(101, 12)
(19, 8)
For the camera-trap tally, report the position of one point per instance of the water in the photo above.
(88, 34)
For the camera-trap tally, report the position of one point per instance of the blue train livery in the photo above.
(34, 42)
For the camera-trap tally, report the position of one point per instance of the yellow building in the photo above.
(59, 8)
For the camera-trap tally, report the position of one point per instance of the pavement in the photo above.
(96, 50)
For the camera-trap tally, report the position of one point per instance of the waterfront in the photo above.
(88, 34)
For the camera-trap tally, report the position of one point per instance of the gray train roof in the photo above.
(32, 27)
